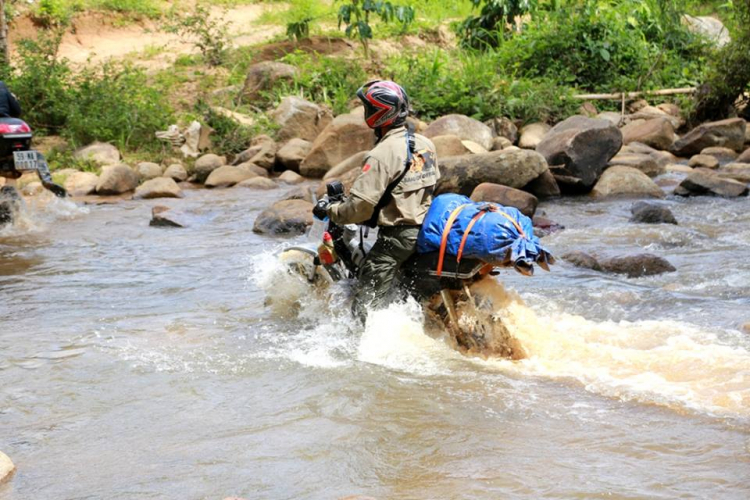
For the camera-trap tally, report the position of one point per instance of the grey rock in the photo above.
(176, 172)
(657, 133)
(462, 174)
(636, 266)
(100, 153)
(159, 187)
(227, 176)
(286, 217)
(259, 183)
(162, 216)
(345, 136)
(263, 76)
(706, 183)
(583, 146)
(81, 183)
(651, 213)
(300, 119)
(532, 134)
(583, 260)
(116, 179)
(728, 133)
(467, 129)
(205, 165)
(147, 170)
(506, 196)
(354, 162)
(703, 161)
(623, 181)
(291, 154)
(503, 127)
(449, 145)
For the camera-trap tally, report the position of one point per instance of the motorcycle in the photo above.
(17, 158)
(452, 291)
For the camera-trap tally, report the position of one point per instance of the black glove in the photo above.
(320, 210)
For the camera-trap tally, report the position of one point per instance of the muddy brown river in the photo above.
(143, 363)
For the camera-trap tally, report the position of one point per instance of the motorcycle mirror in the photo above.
(335, 190)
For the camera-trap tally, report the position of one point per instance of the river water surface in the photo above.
(140, 362)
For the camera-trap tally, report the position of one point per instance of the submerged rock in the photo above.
(162, 216)
(583, 260)
(636, 266)
(626, 181)
(651, 213)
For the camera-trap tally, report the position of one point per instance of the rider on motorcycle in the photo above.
(393, 192)
(9, 106)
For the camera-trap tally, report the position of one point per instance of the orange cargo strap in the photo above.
(446, 232)
(474, 220)
(515, 223)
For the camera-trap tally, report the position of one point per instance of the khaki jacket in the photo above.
(411, 198)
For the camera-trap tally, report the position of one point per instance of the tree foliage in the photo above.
(496, 18)
(728, 77)
(355, 14)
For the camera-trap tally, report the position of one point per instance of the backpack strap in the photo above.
(444, 239)
(388, 193)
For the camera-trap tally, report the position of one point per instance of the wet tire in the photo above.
(10, 204)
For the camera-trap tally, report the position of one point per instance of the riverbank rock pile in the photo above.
(644, 153)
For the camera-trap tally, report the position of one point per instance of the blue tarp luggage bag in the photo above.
(495, 233)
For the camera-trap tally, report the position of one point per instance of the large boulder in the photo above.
(651, 213)
(287, 217)
(504, 127)
(117, 179)
(449, 145)
(100, 153)
(710, 27)
(227, 176)
(644, 163)
(343, 137)
(81, 183)
(291, 154)
(728, 133)
(582, 260)
(263, 76)
(6, 467)
(583, 146)
(147, 170)
(626, 182)
(354, 162)
(707, 183)
(657, 133)
(532, 135)
(462, 174)
(506, 196)
(205, 165)
(467, 129)
(298, 118)
(176, 172)
(159, 187)
(636, 266)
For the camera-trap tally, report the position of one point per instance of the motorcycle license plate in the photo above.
(25, 161)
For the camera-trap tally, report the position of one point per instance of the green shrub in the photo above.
(131, 8)
(230, 137)
(210, 35)
(41, 82)
(328, 80)
(116, 104)
(441, 83)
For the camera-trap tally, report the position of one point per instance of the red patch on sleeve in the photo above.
(366, 168)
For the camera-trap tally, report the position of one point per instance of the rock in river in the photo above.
(287, 217)
(707, 183)
(636, 266)
(162, 216)
(345, 136)
(651, 213)
(626, 181)
(728, 133)
(205, 165)
(583, 260)
(81, 183)
(228, 176)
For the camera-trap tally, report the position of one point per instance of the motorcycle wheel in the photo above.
(480, 330)
(10, 204)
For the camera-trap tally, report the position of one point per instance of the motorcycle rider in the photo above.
(394, 192)
(9, 107)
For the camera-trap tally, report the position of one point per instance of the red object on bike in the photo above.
(14, 128)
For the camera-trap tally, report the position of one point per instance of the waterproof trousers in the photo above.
(374, 289)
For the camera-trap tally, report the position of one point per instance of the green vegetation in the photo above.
(523, 59)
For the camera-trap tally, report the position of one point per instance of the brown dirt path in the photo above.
(94, 38)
